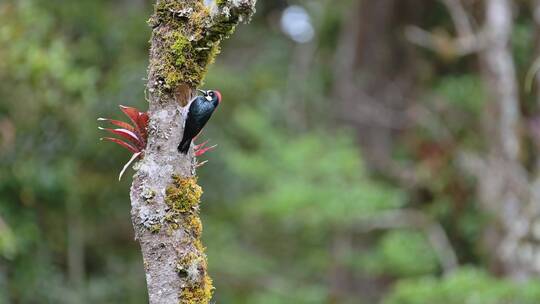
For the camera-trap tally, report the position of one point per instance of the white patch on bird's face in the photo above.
(208, 98)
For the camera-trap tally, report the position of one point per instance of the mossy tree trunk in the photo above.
(165, 197)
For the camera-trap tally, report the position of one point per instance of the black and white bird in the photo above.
(200, 111)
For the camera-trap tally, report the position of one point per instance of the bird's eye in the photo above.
(211, 94)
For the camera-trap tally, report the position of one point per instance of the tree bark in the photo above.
(165, 197)
(501, 78)
(505, 189)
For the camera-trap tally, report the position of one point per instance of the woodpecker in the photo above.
(200, 111)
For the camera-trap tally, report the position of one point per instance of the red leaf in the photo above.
(133, 115)
(122, 143)
(130, 136)
(200, 146)
(204, 150)
(139, 120)
(142, 123)
(121, 124)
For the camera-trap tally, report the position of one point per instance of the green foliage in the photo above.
(464, 91)
(316, 179)
(523, 45)
(398, 253)
(8, 246)
(296, 189)
(468, 285)
(52, 171)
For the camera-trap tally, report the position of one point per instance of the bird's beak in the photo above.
(202, 91)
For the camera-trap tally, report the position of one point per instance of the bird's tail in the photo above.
(184, 146)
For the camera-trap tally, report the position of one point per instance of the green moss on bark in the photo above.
(199, 294)
(199, 288)
(190, 40)
(156, 228)
(183, 199)
(184, 194)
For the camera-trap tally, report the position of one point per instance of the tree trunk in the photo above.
(505, 189)
(375, 77)
(164, 195)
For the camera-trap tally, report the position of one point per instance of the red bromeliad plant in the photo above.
(134, 136)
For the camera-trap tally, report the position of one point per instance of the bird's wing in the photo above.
(197, 118)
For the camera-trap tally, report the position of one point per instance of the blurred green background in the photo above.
(336, 178)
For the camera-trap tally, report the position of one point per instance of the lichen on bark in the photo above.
(165, 196)
(183, 198)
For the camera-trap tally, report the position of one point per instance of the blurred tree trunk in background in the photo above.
(503, 185)
(375, 75)
(505, 189)
(535, 8)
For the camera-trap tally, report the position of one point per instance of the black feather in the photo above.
(199, 113)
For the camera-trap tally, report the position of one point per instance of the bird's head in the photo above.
(212, 96)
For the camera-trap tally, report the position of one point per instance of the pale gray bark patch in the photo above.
(161, 161)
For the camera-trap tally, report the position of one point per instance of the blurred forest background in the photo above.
(369, 152)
